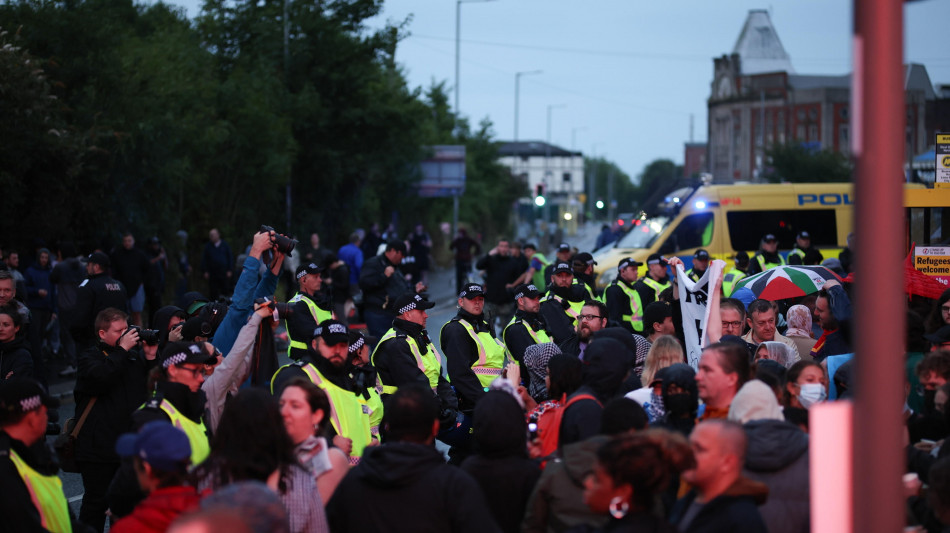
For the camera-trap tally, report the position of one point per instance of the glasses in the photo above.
(735, 324)
(195, 372)
(945, 310)
(588, 318)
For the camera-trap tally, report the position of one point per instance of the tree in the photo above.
(799, 163)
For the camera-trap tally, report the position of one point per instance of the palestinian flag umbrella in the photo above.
(788, 281)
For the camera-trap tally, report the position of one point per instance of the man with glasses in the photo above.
(833, 311)
(111, 384)
(593, 318)
(767, 257)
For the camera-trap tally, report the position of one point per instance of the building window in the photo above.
(844, 142)
(800, 132)
(813, 133)
(567, 177)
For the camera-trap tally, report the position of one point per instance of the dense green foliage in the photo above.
(796, 163)
(130, 116)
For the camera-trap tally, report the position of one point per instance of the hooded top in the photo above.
(410, 485)
(755, 401)
(160, 322)
(777, 455)
(501, 466)
(606, 365)
(679, 409)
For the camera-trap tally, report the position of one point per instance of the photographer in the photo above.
(111, 384)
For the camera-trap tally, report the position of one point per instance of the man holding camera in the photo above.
(111, 384)
(309, 309)
(382, 283)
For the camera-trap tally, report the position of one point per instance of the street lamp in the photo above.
(547, 153)
(458, 26)
(518, 76)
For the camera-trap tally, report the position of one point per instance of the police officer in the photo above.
(325, 366)
(474, 357)
(656, 281)
(33, 498)
(526, 327)
(310, 309)
(700, 264)
(405, 355)
(382, 282)
(767, 257)
(624, 307)
(802, 248)
(364, 379)
(583, 265)
(735, 275)
(562, 304)
(561, 255)
(97, 292)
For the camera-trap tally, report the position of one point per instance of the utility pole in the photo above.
(518, 76)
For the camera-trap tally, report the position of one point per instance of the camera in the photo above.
(284, 245)
(280, 309)
(532, 429)
(148, 336)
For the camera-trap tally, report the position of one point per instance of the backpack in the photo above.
(549, 423)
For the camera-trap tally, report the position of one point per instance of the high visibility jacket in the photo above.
(574, 309)
(47, 495)
(491, 354)
(797, 252)
(196, 432)
(429, 364)
(538, 278)
(375, 404)
(656, 286)
(349, 414)
(729, 281)
(693, 275)
(765, 266)
(635, 318)
(319, 315)
(538, 336)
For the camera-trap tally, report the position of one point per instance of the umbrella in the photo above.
(788, 281)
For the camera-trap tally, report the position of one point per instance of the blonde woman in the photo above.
(666, 351)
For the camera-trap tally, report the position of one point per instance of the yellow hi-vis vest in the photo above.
(590, 292)
(318, 314)
(429, 364)
(197, 433)
(656, 286)
(635, 318)
(491, 354)
(574, 309)
(349, 414)
(538, 278)
(375, 404)
(730, 280)
(47, 495)
(765, 266)
(537, 336)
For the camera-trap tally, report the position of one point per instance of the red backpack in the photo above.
(549, 424)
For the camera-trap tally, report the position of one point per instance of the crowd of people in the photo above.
(549, 404)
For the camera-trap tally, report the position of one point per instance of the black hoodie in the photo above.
(500, 465)
(403, 486)
(15, 357)
(606, 366)
(161, 320)
(777, 455)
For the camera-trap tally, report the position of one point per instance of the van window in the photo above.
(694, 231)
(746, 228)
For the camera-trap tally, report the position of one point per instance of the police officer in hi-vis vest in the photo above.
(767, 257)
(33, 498)
(325, 366)
(563, 302)
(526, 327)
(311, 307)
(624, 307)
(656, 281)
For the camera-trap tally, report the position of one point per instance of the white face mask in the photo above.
(811, 393)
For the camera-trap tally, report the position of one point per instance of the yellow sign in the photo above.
(945, 161)
(943, 139)
(932, 260)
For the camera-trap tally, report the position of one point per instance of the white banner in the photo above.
(694, 296)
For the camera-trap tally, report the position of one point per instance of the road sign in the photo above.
(443, 174)
(942, 155)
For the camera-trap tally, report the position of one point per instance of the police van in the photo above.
(725, 219)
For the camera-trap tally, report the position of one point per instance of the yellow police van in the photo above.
(725, 219)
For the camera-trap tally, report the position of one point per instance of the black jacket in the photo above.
(396, 365)
(560, 325)
(118, 379)
(130, 267)
(618, 304)
(777, 455)
(15, 357)
(403, 486)
(95, 294)
(300, 323)
(647, 294)
(461, 353)
(380, 292)
(500, 465)
(605, 368)
(734, 510)
(16, 507)
(517, 338)
(500, 270)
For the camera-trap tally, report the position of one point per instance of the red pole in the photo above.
(878, 144)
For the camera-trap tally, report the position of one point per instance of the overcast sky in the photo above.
(629, 73)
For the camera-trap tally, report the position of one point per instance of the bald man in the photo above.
(721, 500)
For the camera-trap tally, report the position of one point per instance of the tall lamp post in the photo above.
(547, 161)
(518, 76)
(458, 30)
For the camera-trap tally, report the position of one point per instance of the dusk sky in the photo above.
(628, 74)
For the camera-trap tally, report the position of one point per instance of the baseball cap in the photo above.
(627, 261)
(333, 332)
(583, 259)
(769, 237)
(526, 290)
(472, 291)
(99, 258)
(562, 267)
(310, 268)
(179, 353)
(701, 254)
(655, 312)
(655, 259)
(192, 302)
(158, 443)
(409, 301)
(803, 235)
(356, 341)
(22, 395)
(564, 247)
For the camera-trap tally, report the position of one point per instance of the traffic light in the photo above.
(539, 195)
